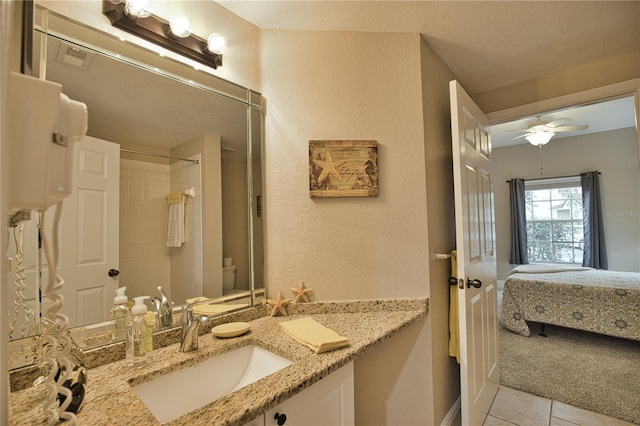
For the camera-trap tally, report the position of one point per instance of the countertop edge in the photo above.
(363, 321)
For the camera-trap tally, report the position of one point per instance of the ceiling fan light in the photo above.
(538, 138)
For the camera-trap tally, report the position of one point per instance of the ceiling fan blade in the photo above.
(576, 128)
(518, 137)
(518, 130)
(557, 122)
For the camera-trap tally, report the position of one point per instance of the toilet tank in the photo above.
(229, 277)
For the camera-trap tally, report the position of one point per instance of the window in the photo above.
(554, 220)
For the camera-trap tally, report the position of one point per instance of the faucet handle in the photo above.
(164, 309)
(163, 296)
(189, 306)
(187, 313)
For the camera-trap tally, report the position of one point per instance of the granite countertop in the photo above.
(111, 401)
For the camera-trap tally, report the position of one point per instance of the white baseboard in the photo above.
(452, 414)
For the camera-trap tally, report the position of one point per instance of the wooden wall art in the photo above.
(343, 169)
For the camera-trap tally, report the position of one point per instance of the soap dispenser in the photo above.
(119, 313)
(139, 335)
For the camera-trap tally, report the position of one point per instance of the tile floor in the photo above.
(513, 407)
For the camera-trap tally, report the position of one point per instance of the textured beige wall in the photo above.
(607, 71)
(352, 86)
(345, 86)
(445, 371)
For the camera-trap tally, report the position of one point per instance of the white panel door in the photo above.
(89, 233)
(475, 243)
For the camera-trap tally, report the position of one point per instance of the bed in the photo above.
(605, 302)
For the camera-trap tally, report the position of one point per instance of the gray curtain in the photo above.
(595, 250)
(519, 254)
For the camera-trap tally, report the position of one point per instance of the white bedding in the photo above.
(539, 268)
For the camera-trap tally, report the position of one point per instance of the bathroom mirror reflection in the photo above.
(159, 133)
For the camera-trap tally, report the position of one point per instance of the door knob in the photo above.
(280, 418)
(474, 283)
(113, 272)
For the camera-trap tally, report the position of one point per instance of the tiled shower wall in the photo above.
(144, 256)
(186, 261)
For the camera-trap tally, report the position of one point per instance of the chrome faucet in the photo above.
(164, 309)
(190, 328)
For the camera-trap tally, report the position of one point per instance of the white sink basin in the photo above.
(176, 394)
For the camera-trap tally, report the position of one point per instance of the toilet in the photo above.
(228, 278)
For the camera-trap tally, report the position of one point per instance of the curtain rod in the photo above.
(151, 154)
(554, 177)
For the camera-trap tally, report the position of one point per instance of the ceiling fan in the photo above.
(541, 131)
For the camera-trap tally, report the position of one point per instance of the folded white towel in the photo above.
(175, 230)
(314, 335)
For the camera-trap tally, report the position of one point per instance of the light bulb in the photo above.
(539, 137)
(216, 43)
(180, 26)
(137, 8)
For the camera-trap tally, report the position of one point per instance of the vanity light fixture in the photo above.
(137, 8)
(180, 26)
(216, 43)
(135, 17)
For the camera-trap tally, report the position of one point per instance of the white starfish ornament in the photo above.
(301, 293)
(279, 304)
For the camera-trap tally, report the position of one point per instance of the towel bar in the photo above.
(441, 256)
(189, 192)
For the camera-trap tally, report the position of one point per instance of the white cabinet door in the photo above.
(328, 402)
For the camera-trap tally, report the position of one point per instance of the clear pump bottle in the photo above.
(139, 335)
(119, 313)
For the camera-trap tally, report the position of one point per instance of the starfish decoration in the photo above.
(279, 305)
(328, 168)
(301, 293)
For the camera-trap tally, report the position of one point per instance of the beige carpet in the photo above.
(595, 372)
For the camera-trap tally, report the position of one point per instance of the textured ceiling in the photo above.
(132, 105)
(487, 44)
(601, 117)
(514, 45)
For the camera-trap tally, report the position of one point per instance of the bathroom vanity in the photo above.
(327, 402)
(326, 378)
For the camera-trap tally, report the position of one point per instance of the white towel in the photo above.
(176, 229)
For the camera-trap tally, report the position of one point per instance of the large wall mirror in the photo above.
(159, 131)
